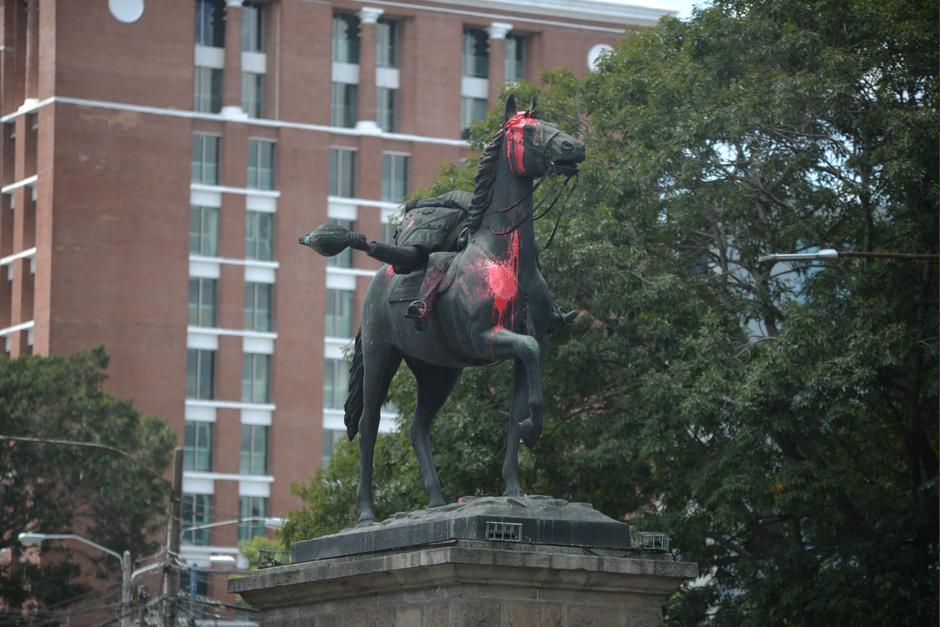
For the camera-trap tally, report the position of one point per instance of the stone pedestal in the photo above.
(455, 581)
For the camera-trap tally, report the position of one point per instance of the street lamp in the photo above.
(170, 575)
(29, 538)
(829, 253)
(269, 523)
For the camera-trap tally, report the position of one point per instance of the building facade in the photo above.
(288, 113)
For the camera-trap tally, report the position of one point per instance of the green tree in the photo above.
(779, 422)
(99, 495)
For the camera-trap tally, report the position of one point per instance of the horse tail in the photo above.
(353, 404)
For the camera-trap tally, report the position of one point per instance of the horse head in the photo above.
(535, 147)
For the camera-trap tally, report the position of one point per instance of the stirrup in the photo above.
(416, 310)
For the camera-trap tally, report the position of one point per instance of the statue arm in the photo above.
(405, 258)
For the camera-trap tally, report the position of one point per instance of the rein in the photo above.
(515, 154)
(531, 214)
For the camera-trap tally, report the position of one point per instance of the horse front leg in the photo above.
(517, 413)
(504, 344)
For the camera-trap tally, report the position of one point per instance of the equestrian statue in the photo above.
(462, 288)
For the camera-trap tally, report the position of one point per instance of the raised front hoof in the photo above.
(529, 432)
(365, 519)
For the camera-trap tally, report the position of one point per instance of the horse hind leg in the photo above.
(380, 361)
(434, 386)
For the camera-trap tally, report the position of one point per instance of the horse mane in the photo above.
(485, 177)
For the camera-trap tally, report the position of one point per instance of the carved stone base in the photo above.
(467, 583)
(529, 519)
(454, 581)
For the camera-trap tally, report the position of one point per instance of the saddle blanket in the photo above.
(407, 287)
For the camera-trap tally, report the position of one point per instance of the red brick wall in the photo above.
(115, 206)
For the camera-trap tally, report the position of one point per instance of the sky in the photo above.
(684, 7)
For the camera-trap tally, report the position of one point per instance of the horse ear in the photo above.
(533, 107)
(510, 106)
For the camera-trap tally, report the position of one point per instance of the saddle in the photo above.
(407, 287)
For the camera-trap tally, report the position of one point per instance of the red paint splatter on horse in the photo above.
(502, 279)
(389, 273)
(515, 140)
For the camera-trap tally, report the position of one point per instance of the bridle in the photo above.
(550, 170)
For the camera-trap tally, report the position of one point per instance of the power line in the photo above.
(95, 445)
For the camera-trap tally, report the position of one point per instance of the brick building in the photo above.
(288, 113)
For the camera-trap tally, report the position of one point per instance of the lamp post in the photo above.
(829, 253)
(269, 523)
(170, 572)
(28, 538)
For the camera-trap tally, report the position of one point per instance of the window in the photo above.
(339, 313)
(260, 164)
(394, 177)
(385, 108)
(210, 30)
(514, 69)
(199, 374)
(196, 511)
(255, 508)
(386, 43)
(195, 586)
(254, 460)
(197, 450)
(253, 94)
(345, 38)
(331, 438)
(342, 172)
(475, 56)
(205, 164)
(335, 383)
(388, 233)
(343, 104)
(471, 110)
(202, 302)
(258, 306)
(207, 90)
(204, 231)
(252, 27)
(256, 378)
(345, 258)
(259, 235)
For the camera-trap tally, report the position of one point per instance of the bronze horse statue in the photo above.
(492, 305)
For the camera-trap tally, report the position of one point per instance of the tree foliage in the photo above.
(779, 421)
(99, 495)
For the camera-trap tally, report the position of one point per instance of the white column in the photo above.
(232, 74)
(368, 16)
(497, 59)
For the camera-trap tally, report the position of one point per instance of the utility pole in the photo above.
(126, 577)
(30, 538)
(171, 580)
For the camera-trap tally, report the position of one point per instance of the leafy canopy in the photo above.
(99, 495)
(778, 421)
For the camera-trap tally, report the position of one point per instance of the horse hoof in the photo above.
(365, 519)
(436, 503)
(513, 492)
(529, 433)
